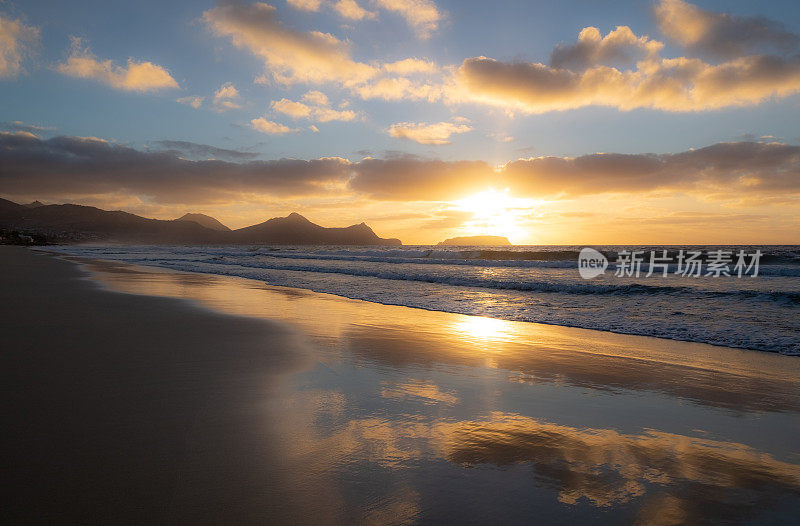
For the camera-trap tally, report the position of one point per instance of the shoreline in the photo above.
(587, 343)
(106, 393)
(577, 326)
(143, 394)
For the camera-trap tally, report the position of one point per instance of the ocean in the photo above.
(539, 284)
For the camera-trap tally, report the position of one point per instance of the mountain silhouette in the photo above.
(295, 229)
(206, 221)
(78, 223)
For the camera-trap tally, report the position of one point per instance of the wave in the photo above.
(459, 259)
(581, 287)
(751, 314)
(789, 255)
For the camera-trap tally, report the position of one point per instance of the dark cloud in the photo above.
(598, 70)
(204, 151)
(665, 84)
(411, 179)
(20, 126)
(620, 46)
(721, 34)
(734, 168)
(70, 167)
(74, 166)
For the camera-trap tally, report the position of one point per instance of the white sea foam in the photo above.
(537, 284)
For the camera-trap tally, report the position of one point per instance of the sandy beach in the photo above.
(142, 395)
(130, 409)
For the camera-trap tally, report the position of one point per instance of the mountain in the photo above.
(206, 221)
(473, 241)
(9, 208)
(77, 223)
(35, 204)
(297, 230)
(87, 223)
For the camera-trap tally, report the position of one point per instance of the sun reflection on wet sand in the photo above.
(409, 415)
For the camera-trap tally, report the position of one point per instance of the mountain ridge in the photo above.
(206, 221)
(79, 223)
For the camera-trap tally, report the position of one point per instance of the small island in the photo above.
(472, 241)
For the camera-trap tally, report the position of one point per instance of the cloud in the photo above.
(414, 179)
(720, 34)
(399, 88)
(595, 70)
(351, 10)
(136, 76)
(313, 57)
(315, 106)
(724, 169)
(205, 151)
(194, 101)
(316, 98)
(291, 56)
(679, 84)
(270, 128)
(434, 134)
(16, 41)
(20, 126)
(410, 66)
(501, 137)
(225, 98)
(306, 5)
(71, 167)
(620, 46)
(422, 15)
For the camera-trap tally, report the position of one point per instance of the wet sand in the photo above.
(130, 409)
(253, 403)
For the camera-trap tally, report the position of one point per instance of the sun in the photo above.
(496, 212)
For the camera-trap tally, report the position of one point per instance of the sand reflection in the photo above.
(663, 478)
(403, 415)
(399, 337)
(690, 477)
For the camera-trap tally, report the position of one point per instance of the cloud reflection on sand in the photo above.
(406, 415)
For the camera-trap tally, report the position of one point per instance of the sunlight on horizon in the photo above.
(497, 213)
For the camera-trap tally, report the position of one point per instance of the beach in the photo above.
(136, 394)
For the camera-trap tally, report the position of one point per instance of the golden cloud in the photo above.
(226, 97)
(679, 84)
(263, 125)
(305, 5)
(313, 57)
(79, 165)
(618, 46)
(720, 34)
(351, 10)
(422, 15)
(414, 179)
(136, 76)
(410, 66)
(315, 106)
(434, 134)
(291, 56)
(195, 101)
(16, 40)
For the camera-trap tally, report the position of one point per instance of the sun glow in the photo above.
(496, 213)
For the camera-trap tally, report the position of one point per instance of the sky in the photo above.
(573, 122)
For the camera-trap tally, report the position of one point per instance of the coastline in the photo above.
(755, 314)
(253, 402)
(112, 401)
